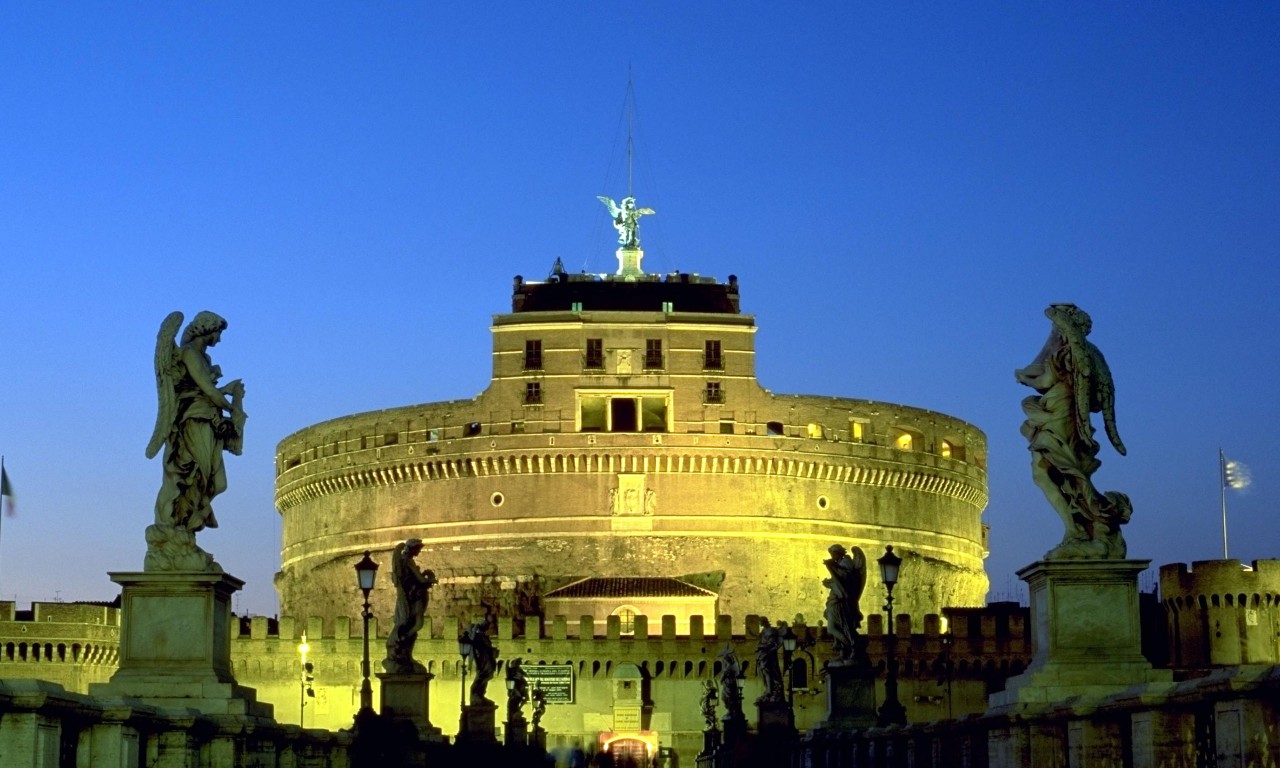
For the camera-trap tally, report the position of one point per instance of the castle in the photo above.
(624, 434)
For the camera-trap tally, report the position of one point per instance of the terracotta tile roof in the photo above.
(629, 586)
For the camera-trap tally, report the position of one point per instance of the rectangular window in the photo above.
(595, 354)
(714, 393)
(532, 393)
(653, 354)
(712, 359)
(624, 411)
(533, 354)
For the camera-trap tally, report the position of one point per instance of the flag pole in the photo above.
(1222, 486)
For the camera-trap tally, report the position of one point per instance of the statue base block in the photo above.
(478, 722)
(175, 644)
(517, 733)
(774, 720)
(1086, 635)
(407, 697)
(851, 696)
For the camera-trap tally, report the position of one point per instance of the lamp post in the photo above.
(366, 570)
(303, 681)
(891, 712)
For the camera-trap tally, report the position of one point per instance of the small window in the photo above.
(815, 430)
(712, 358)
(532, 393)
(773, 429)
(391, 438)
(653, 353)
(944, 449)
(856, 431)
(533, 354)
(517, 427)
(904, 442)
(714, 393)
(726, 426)
(433, 435)
(473, 428)
(668, 306)
(575, 307)
(595, 354)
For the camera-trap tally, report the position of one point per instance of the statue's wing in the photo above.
(166, 361)
(614, 210)
(1079, 366)
(644, 211)
(1103, 397)
(859, 572)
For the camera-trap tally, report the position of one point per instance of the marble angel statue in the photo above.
(196, 421)
(1072, 381)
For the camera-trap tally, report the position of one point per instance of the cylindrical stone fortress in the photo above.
(624, 434)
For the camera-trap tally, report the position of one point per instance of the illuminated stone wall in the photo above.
(732, 487)
(71, 644)
(1222, 614)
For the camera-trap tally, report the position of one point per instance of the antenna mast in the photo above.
(631, 106)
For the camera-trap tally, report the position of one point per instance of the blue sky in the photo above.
(901, 189)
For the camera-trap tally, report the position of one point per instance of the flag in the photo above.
(1235, 475)
(6, 491)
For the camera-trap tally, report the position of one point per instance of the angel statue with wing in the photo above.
(197, 421)
(626, 219)
(1072, 381)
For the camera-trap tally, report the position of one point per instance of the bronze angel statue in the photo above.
(1072, 381)
(626, 219)
(197, 420)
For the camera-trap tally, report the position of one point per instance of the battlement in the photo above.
(1222, 613)
(1214, 582)
(998, 626)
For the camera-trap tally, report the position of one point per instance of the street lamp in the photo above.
(366, 570)
(304, 684)
(892, 712)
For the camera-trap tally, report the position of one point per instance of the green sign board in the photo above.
(555, 680)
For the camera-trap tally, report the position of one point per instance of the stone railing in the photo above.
(42, 725)
(1225, 719)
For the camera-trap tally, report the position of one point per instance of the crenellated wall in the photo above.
(948, 666)
(71, 644)
(1222, 613)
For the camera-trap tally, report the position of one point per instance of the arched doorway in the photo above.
(629, 753)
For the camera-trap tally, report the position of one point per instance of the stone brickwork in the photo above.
(71, 644)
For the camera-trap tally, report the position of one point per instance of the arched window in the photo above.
(904, 442)
(626, 619)
(944, 449)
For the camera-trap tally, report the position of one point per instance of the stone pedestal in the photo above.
(851, 696)
(407, 697)
(175, 644)
(1086, 633)
(538, 738)
(478, 723)
(516, 733)
(774, 719)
